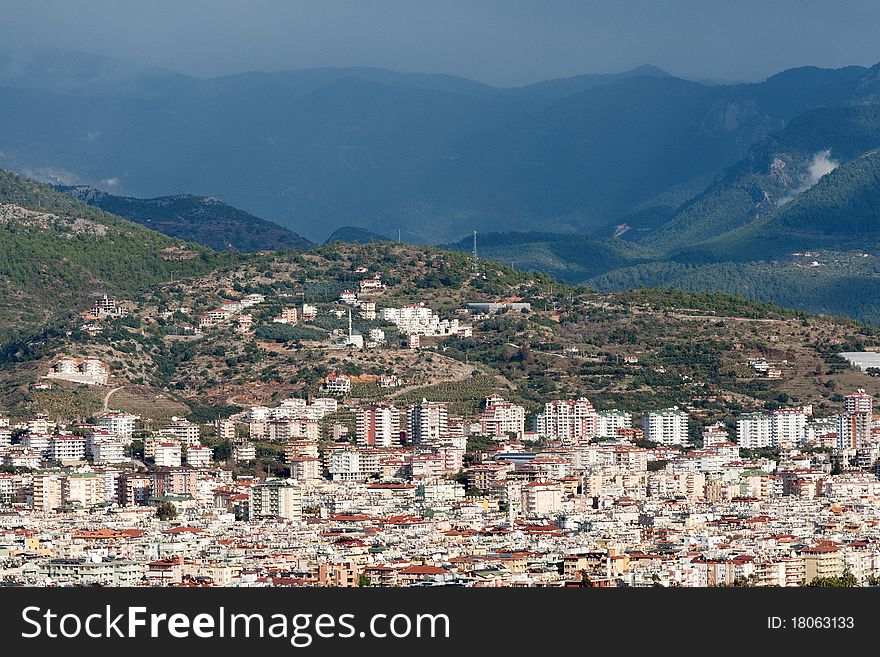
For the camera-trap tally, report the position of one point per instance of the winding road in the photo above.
(108, 395)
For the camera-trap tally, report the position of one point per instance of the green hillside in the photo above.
(567, 257)
(200, 219)
(57, 253)
(842, 211)
(776, 169)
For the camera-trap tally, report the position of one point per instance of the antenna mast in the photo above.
(476, 261)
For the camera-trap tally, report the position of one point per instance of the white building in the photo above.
(336, 384)
(378, 425)
(567, 419)
(305, 468)
(666, 427)
(244, 452)
(108, 451)
(787, 426)
(67, 448)
(500, 417)
(199, 456)
(186, 432)
(120, 424)
(275, 499)
(426, 421)
(541, 498)
(754, 431)
(418, 319)
(167, 455)
(609, 422)
(345, 465)
(89, 371)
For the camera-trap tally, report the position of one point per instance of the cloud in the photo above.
(821, 165)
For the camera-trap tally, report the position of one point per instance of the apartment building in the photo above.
(567, 419)
(426, 421)
(275, 499)
(378, 425)
(666, 427)
(500, 417)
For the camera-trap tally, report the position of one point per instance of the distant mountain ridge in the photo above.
(200, 219)
(355, 235)
(433, 155)
(622, 180)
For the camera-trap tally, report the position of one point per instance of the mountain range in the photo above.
(435, 156)
(200, 219)
(625, 180)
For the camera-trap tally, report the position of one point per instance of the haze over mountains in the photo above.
(638, 178)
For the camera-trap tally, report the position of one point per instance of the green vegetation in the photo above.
(845, 581)
(51, 265)
(198, 219)
(166, 511)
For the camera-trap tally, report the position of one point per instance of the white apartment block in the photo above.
(183, 430)
(121, 424)
(275, 499)
(666, 427)
(500, 417)
(286, 429)
(417, 319)
(754, 431)
(608, 422)
(89, 371)
(859, 402)
(67, 448)
(167, 455)
(378, 425)
(108, 451)
(787, 426)
(821, 432)
(567, 419)
(853, 430)
(426, 421)
(244, 452)
(345, 465)
(84, 490)
(336, 384)
(541, 498)
(305, 468)
(225, 429)
(199, 456)
(36, 442)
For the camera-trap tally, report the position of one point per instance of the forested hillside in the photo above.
(57, 253)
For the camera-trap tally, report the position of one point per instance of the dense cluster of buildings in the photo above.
(418, 496)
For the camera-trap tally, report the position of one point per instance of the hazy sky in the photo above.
(503, 42)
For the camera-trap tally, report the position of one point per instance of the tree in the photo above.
(585, 579)
(844, 581)
(166, 511)
(363, 580)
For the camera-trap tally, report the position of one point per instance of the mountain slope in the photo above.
(436, 156)
(841, 211)
(777, 168)
(566, 257)
(356, 235)
(57, 254)
(198, 219)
